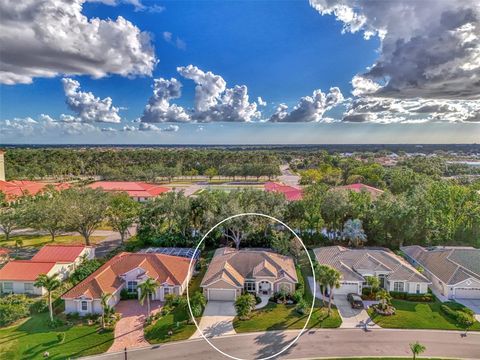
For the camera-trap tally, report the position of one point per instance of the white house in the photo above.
(355, 265)
(453, 271)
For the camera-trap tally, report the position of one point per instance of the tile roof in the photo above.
(450, 264)
(132, 188)
(350, 261)
(17, 188)
(107, 279)
(24, 270)
(361, 187)
(4, 251)
(237, 265)
(291, 193)
(59, 253)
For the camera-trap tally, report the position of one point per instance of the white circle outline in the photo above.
(305, 285)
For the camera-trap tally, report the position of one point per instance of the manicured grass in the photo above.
(41, 240)
(282, 317)
(384, 358)
(416, 315)
(31, 338)
(176, 321)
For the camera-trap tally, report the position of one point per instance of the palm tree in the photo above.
(321, 277)
(384, 297)
(353, 231)
(50, 283)
(417, 349)
(374, 283)
(147, 288)
(333, 281)
(105, 307)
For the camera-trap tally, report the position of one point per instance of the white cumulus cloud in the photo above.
(45, 38)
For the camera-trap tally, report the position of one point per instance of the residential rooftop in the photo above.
(59, 253)
(24, 270)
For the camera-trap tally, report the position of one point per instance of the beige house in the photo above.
(453, 271)
(260, 272)
(127, 271)
(355, 265)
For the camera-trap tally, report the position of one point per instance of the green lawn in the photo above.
(41, 240)
(416, 315)
(281, 317)
(383, 358)
(31, 338)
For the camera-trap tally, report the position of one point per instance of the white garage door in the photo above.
(467, 293)
(221, 294)
(347, 288)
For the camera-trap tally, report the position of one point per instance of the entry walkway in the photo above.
(129, 329)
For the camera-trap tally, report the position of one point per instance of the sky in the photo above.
(239, 72)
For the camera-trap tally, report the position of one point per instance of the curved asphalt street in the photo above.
(315, 344)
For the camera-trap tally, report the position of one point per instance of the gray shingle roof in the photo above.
(450, 264)
(350, 261)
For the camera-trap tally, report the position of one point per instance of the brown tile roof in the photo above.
(236, 266)
(450, 264)
(59, 253)
(163, 268)
(350, 261)
(24, 270)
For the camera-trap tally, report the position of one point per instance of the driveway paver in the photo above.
(352, 318)
(217, 319)
(129, 329)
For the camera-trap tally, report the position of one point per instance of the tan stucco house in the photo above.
(261, 272)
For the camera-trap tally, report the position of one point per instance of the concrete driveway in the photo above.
(352, 318)
(217, 319)
(473, 304)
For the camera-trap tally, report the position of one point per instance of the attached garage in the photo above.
(221, 294)
(347, 288)
(467, 293)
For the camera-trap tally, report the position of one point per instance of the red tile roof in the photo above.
(361, 187)
(291, 193)
(16, 188)
(4, 251)
(24, 270)
(132, 188)
(59, 253)
(162, 268)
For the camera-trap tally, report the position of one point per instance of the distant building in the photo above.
(16, 188)
(139, 191)
(374, 192)
(291, 193)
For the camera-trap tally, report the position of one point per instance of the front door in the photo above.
(264, 287)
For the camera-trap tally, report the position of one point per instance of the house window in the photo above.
(398, 286)
(418, 289)
(132, 286)
(84, 306)
(249, 286)
(166, 290)
(28, 288)
(8, 287)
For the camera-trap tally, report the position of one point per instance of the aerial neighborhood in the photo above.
(117, 256)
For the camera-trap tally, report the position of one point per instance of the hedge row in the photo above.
(412, 297)
(463, 316)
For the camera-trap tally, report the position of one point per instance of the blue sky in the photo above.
(281, 50)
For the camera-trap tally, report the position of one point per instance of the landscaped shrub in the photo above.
(125, 295)
(244, 306)
(85, 269)
(57, 322)
(14, 307)
(60, 337)
(75, 316)
(172, 300)
(39, 306)
(301, 307)
(462, 315)
(427, 297)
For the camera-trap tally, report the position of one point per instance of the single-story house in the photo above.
(18, 276)
(261, 272)
(359, 187)
(355, 265)
(138, 191)
(127, 271)
(453, 271)
(291, 193)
